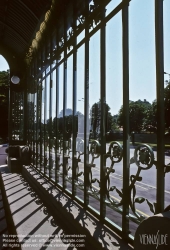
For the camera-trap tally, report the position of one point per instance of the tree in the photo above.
(95, 117)
(4, 97)
(137, 114)
(4, 88)
(150, 120)
(167, 105)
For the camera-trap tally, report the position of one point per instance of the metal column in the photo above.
(126, 140)
(160, 103)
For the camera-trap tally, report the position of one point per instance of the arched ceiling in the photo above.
(19, 22)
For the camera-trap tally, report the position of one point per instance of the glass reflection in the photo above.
(47, 124)
(80, 116)
(142, 94)
(53, 128)
(42, 126)
(167, 97)
(114, 100)
(94, 116)
(59, 127)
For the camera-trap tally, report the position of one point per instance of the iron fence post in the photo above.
(86, 108)
(103, 116)
(160, 104)
(126, 137)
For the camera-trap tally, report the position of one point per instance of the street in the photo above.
(145, 188)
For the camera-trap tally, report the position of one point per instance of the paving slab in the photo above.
(3, 221)
(99, 235)
(34, 225)
(36, 228)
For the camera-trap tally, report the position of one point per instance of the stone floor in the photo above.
(117, 243)
(3, 223)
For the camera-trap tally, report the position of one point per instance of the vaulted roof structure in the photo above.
(19, 22)
(24, 27)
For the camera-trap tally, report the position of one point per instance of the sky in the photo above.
(3, 63)
(142, 67)
(142, 74)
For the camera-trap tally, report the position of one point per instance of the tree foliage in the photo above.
(167, 105)
(150, 120)
(137, 115)
(151, 115)
(4, 88)
(143, 116)
(4, 97)
(95, 118)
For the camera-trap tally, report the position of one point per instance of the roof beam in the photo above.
(16, 33)
(25, 6)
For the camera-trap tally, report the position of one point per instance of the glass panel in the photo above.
(17, 116)
(60, 54)
(59, 135)
(93, 22)
(114, 102)
(68, 131)
(47, 69)
(39, 148)
(167, 97)
(31, 128)
(112, 5)
(80, 21)
(54, 48)
(94, 105)
(29, 118)
(43, 160)
(47, 124)
(69, 39)
(80, 117)
(81, 36)
(53, 128)
(142, 78)
(35, 129)
(50, 112)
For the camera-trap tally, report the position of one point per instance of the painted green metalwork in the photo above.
(71, 159)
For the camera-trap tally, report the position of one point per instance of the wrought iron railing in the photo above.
(81, 166)
(143, 158)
